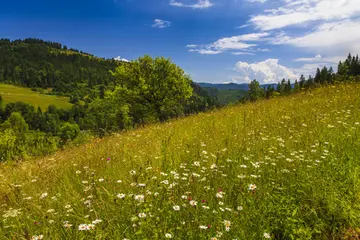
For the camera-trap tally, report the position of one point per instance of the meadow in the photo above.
(285, 168)
(12, 93)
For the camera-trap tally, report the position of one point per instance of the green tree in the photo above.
(16, 122)
(69, 131)
(158, 84)
(256, 92)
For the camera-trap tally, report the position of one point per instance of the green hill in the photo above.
(286, 168)
(43, 64)
(12, 93)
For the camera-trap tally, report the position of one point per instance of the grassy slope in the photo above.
(12, 93)
(302, 152)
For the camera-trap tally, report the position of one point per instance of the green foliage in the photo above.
(16, 122)
(158, 84)
(35, 63)
(18, 142)
(256, 92)
(69, 131)
(107, 116)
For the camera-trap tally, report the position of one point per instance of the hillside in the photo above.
(11, 94)
(43, 64)
(286, 168)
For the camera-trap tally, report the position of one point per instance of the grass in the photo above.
(287, 168)
(12, 93)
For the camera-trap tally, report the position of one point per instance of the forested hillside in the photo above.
(117, 96)
(36, 63)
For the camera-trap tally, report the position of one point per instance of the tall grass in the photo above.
(287, 168)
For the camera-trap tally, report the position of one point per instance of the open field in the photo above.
(12, 93)
(287, 168)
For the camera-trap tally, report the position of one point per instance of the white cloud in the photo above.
(158, 23)
(118, 58)
(242, 53)
(205, 51)
(200, 4)
(303, 11)
(268, 71)
(333, 38)
(240, 42)
(318, 58)
(310, 68)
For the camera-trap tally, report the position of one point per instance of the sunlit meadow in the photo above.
(287, 168)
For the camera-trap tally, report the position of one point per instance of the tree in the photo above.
(297, 86)
(256, 92)
(16, 122)
(69, 131)
(1, 102)
(158, 84)
(302, 82)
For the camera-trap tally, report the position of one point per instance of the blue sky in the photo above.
(213, 40)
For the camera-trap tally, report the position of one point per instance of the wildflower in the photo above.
(12, 213)
(266, 235)
(240, 208)
(121, 195)
(43, 195)
(184, 197)
(252, 187)
(132, 172)
(67, 225)
(142, 215)
(227, 223)
(176, 208)
(221, 203)
(197, 164)
(166, 182)
(193, 203)
(203, 227)
(86, 227)
(219, 195)
(119, 181)
(168, 235)
(37, 237)
(51, 210)
(68, 206)
(101, 180)
(141, 185)
(78, 172)
(96, 221)
(87, 203)
(139, 198)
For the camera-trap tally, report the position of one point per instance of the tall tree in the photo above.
(256, 92)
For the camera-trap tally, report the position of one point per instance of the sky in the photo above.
(216, 41)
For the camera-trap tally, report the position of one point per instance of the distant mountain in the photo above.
(225, 86)
(230, 86)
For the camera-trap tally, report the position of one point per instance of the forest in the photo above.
(111, 96)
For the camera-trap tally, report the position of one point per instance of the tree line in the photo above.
(348, 70)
